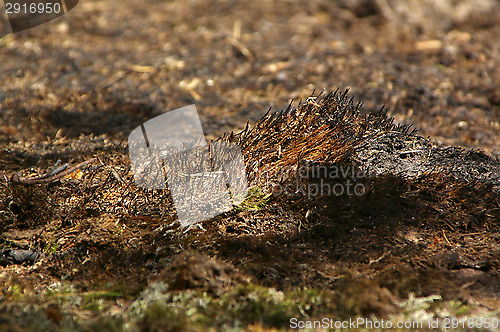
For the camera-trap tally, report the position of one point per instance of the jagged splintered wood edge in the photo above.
(327, 127)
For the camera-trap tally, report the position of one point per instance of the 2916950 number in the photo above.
(471, 323)
(32, 8)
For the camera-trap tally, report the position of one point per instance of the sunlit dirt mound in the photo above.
(326, 128)
(329, 128)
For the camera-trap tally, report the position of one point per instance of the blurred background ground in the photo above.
(106, 66)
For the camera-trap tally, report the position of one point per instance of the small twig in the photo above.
(45, 179)
(57, 170)
(467, 285)
(242, 48)
(6, 178)
(372, 261)
(58, 163)
(446, 238)
(117, 176)
(410, 151)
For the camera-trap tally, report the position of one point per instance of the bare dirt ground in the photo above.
(422, 242)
